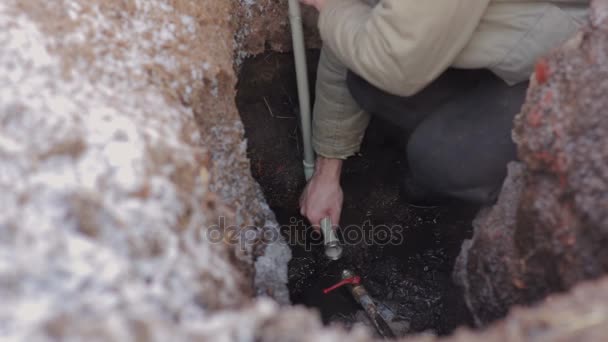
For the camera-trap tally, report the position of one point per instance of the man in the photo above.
(450, 74)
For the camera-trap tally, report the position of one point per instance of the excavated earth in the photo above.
(403, 253)
(129, 210)
(550, 228)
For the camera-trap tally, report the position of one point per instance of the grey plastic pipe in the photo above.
(299, 52)
(333, 250)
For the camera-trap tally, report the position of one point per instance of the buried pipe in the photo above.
(333, 250)
(362, 297)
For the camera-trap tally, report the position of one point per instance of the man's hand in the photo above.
(323, 196)
(318, 4)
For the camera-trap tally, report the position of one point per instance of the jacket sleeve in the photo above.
(338, 122)
(399, 46)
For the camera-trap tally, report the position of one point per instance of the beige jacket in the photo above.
(401, 46)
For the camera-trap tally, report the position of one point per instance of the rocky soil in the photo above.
(125, 186)
(129, 211)
(550, 228)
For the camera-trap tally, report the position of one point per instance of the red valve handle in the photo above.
(356, 280)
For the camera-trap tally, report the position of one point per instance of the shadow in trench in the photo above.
(404, 254)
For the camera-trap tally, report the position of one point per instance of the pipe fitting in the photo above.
(309, 169)
(333, 249)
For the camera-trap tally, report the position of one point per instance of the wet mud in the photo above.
(404, 253)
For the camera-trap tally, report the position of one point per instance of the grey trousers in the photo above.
(458, 130)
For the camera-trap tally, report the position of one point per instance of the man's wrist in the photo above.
(328, 167)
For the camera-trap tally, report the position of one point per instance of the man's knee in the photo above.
(425, 170)
(439, 169)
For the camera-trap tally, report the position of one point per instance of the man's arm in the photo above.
(338, 124)
(338, 128)
(323, 196)
(399, 46)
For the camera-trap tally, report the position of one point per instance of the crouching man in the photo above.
(450, 74)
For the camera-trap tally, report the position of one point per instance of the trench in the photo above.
(404, 254)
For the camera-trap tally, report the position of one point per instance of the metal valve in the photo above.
(354, 280)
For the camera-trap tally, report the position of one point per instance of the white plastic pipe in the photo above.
(299, 52)
(333, 250)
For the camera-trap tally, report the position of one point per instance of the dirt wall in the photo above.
(549, 229)
(125, 185)
(264, 25)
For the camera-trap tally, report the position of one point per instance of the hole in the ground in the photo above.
(411, 278)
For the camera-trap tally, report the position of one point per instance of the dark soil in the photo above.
(408, 263)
